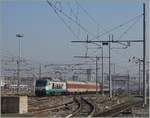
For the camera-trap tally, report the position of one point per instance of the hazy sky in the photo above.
(47, 39)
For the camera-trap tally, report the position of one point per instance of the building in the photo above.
(120, 82)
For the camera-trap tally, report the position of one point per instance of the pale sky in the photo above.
(47, 39)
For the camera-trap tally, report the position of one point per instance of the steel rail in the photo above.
(46, 109)
(79, 111)
(116, 110)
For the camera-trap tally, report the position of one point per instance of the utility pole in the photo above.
(96, 74)
(40, 71)
(102, 73)
(18, 75)
(110, 80)
(114, 68)
(139, 77)
(144, 55)
(18, 63)
(128, 82)
(88, 74)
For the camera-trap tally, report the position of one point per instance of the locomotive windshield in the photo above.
(40, 83)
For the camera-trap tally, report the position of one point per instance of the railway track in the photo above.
(117, 109)
(37, 101)
(83, 106)
(85, 109)
(43, 107)
(47, 110)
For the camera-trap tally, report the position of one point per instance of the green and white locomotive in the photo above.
(46, 87)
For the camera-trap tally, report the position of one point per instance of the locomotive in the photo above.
(46, 87)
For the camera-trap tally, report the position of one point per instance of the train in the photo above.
(10, 86)
(46, 87)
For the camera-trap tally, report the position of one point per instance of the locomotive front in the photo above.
(40, 87)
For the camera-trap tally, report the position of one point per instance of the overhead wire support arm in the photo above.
(89, 57)
(103, 41)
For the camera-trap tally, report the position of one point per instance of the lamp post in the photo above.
(18, 62)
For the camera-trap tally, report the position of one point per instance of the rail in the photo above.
(116, 110)
(85, 109)
(47, 109)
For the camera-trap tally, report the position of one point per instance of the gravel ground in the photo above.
(36, 103)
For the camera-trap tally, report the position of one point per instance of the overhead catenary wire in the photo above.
(126, 31)
(78, 20)
(70, 18)
(71, 10)
(54, 7)
(90, 16)
(69, 28)
(129, 28)
(75, 14)
(108, 31)
(118, 26)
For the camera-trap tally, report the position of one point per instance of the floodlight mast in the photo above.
(18, 63)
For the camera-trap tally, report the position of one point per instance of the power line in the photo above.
(92, 18)
(115, 28)
(69, 28)
(60, 11)
(71, 10)
(126, 31)
(89, 15)
(76, 16)
(130, 27)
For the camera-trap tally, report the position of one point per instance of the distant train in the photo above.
(45, 87)
(10, 86)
